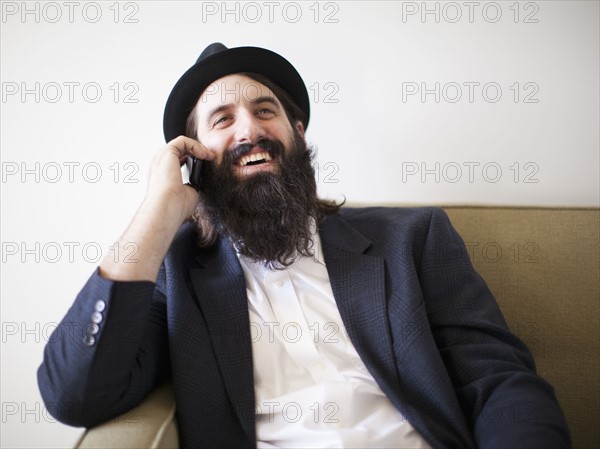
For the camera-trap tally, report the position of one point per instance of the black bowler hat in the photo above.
(217, 61)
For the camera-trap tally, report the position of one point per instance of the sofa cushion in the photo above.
(150, 425)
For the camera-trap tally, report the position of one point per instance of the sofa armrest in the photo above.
(151, 424)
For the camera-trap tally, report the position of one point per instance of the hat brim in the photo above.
(197, 78)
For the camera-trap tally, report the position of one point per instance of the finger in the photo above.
(185, 146)
(196, 188)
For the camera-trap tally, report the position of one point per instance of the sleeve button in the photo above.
(92, 329)
(89, 340)
(100, 306)
(96, 317)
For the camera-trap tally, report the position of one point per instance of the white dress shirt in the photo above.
(311, 387)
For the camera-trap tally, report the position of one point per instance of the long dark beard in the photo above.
(267, 216)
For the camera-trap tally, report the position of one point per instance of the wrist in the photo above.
(165, 211)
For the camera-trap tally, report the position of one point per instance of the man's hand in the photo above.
(167, 204)
(164, 183)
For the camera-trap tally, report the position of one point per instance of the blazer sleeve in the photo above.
(505, 402)
(108, 352)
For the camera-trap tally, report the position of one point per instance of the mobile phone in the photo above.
(194, 166)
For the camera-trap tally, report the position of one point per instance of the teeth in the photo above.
(255, 157)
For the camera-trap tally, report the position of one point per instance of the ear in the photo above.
(300, 128)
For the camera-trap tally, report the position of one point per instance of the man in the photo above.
(281, 319)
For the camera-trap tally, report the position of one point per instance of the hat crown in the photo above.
(212, 49)
(217, 61)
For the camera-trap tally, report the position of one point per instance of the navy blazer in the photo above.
(422, 320)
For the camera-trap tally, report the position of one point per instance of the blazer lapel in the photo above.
(221, 294)
(358, 284)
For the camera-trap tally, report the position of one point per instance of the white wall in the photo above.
(359, 59)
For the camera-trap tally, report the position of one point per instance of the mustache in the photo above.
(273, 147)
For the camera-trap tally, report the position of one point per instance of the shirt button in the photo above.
(89, 340)
(96, 317)
(100, 306)
(279, 283)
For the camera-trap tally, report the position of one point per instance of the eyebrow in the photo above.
(262, 99)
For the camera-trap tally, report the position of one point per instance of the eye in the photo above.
(220, 120)
(265, 111)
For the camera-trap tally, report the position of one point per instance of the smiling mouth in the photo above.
(254, 159)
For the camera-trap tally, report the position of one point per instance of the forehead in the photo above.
(233, 89)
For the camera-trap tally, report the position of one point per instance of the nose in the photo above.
(249, 128)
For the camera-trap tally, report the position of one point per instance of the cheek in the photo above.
(217, 145)
(285, 134)
(289, 140)
(219, 158)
